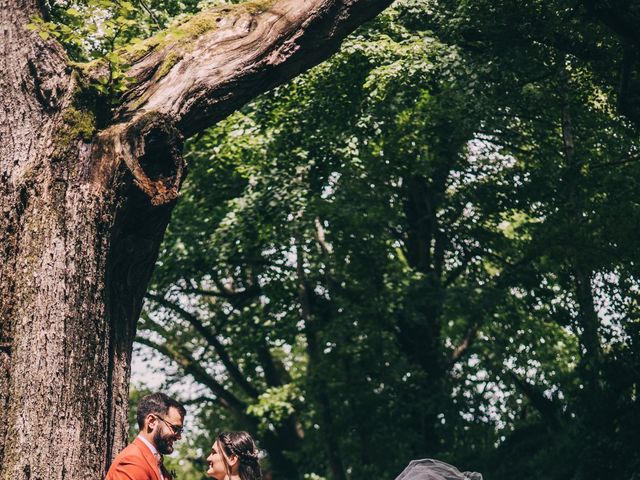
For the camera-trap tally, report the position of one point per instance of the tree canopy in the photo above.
(425, 246)
(97, 100)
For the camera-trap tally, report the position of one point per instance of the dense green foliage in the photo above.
(425, 246)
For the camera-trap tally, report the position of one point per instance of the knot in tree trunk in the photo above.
(154, 156)
(150, 146)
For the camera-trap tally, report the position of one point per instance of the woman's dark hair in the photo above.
(241, 445)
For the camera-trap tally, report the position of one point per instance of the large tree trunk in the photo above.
(79, 241)
(84, 204)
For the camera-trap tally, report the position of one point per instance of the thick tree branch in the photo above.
(199, 72)
(617, 163)
(193, 75)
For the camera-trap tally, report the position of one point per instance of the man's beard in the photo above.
(163, 443)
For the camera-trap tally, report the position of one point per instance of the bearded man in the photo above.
(160, 420)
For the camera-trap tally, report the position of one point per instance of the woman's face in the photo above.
(216, 463)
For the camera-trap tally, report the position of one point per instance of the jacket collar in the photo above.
(148, 456)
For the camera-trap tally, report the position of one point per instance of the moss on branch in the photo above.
(188, 30)
(108, 76)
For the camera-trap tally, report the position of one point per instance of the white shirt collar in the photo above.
(148, 444)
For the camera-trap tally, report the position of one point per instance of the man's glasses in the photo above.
(176, 430)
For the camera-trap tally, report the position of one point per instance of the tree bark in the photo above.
(86, 196)
(313, 323)
(591, 357)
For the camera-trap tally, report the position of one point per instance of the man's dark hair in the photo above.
(157, 403)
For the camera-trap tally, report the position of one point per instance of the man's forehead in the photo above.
(174, 415)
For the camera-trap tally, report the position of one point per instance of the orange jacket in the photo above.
(136, 462)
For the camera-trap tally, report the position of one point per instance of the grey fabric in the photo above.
(428, 469)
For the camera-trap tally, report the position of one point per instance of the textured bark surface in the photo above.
(32, 89)
(199, 72)
(84, 208)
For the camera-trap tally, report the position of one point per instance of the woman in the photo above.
(234, 456)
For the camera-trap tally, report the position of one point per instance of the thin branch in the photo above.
(238, 298)
(465, 345)
(321, 238)
(508, 146)
(201, 399)
(546, 407)
(460, 269)
(202, 291)
(151, 14)
(193, 368)
(326, 250)
(274, 373)
(212, 340)
(631, 159)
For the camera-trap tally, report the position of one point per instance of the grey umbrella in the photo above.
(428, 469)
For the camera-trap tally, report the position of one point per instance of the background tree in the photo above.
(90, 168)
(428, 238)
